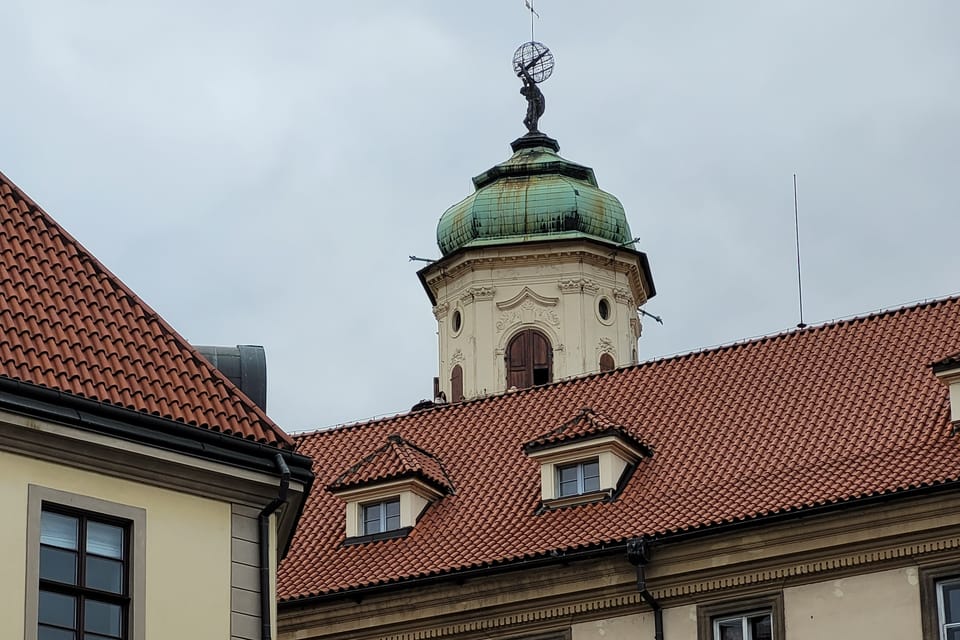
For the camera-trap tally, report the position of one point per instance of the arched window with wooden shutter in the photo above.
(456, 384)
(529, 360)
(606, 362)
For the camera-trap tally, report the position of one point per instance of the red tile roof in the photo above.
(823, 415)
(395, 459)
(67, 323)
(586, 424)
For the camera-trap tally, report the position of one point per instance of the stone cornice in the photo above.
(808, 550)
(621, 263)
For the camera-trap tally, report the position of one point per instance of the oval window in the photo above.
(456, 322)
(603, 309)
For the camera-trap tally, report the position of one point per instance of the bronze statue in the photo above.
(533, 63)
(536, 103)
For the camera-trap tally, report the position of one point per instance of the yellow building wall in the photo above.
(187, 548)
(883, 605)
(678, 622)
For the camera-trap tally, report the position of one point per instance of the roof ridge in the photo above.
(660, 360)
(166, 330)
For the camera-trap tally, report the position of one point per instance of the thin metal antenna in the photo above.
(529, 5)
(418, 259)
(796, 225)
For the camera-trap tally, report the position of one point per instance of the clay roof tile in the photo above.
(68, 324)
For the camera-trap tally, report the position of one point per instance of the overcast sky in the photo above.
(258, 172)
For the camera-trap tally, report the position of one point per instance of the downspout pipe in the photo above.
(638, 553)
(263, 520)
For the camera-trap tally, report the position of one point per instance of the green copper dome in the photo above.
(535, 195)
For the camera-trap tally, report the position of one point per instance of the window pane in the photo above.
(102, 617)
(371, 519)
(58, 530)
(568, 488)
(58, 609)
(59, 565)
(953, 634)
(393, 509)
(951, 602)
(49, 633)
(105, 540)
(591, 470)
(567, 477)
(591, 476)
(104, 574)
(730, 630)
(95, 636)
(760, 628)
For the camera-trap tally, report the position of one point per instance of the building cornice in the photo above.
(806, 550)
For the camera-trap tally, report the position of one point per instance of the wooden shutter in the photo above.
(606, 362)
(456, 384)
(529, 359)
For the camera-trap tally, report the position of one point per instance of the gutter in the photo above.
(162, 433)
(638, 553)
(263, 520)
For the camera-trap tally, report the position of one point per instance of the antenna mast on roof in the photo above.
(796, 226)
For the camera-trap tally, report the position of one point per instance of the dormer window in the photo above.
(948, 370)
(379, 517)
(388, 491)
(578, 478)
(586, 459)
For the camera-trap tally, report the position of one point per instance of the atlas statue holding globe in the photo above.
(533, 63)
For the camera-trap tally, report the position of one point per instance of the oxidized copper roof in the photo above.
(67, 323)
(820, 416)
(393, 460)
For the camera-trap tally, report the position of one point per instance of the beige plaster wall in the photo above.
(679, 623)
(880, 606)
(187, 541)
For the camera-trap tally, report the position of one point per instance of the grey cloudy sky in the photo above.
(259, 172)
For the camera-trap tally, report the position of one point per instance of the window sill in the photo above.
(604, 495)
(402, 532)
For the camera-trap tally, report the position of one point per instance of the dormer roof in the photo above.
(396, 459)
(586, 425)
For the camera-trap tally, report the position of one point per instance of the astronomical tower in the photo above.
(539, 278)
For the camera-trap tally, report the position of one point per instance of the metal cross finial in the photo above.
(529, 5)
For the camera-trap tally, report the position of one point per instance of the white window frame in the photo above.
(37, 497)
(579, 465)
(383, 515)
(711, 614)
(943, 625)
(743, 617)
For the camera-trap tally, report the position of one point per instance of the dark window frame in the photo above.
(929, 578)
(78, 590)
(773, 602)
(37, 497)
